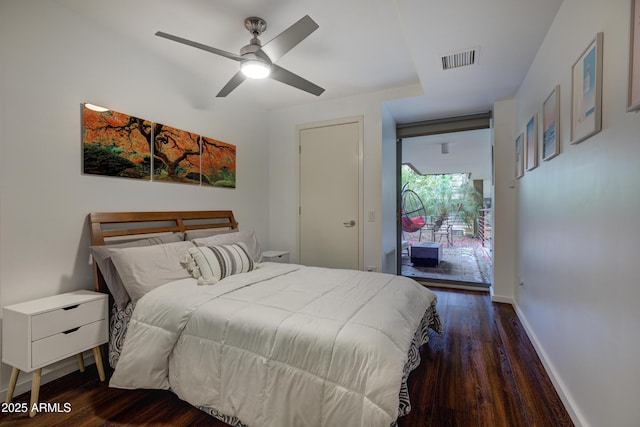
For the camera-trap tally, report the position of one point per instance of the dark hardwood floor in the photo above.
(482, 371)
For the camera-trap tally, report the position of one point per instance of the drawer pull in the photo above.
(71, 307)
(72, 330)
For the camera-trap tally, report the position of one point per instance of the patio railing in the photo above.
(484, 225)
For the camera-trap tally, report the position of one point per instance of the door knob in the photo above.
(351, 223)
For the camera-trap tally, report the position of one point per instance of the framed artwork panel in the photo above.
(218, 163)
(531, 137)
(176, 155)
(634, 58)
(520, 156)
(115, 144)
(551, 125)
(586, 92)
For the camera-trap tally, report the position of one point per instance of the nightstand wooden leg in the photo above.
(12, 384)
(98, 356)
(80, 362)
(35, 391)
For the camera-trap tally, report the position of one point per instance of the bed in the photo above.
(196, 311)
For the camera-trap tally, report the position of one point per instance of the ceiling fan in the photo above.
(258, 61)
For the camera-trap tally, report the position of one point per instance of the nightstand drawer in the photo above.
(276, 256)
(63, 319)
(58, 346)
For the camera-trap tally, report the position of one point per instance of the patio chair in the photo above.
(413, 212)
(444, 226)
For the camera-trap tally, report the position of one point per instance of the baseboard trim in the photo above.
(502, 299)
(561, 389)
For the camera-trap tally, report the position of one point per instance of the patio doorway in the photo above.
(445, 204)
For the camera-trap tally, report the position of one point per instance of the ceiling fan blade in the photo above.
(200, 46)
(289, 38)
(287, 77)
(235, 81)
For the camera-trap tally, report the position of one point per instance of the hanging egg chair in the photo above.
(413, 212)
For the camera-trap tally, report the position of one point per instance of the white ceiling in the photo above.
(361, 46)
(468, 152)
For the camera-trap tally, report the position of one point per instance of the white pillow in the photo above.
(247, 237)
(145, 268)
(206, 232)
(209, 264)
(102, 256)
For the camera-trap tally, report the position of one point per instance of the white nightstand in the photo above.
(40, 332)
(275, 256)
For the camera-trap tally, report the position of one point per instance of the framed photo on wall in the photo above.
(532, 142)
(586, 92)
(551, 125)
(634, 58)
(520, 156)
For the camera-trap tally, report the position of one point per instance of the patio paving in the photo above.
(465, 260)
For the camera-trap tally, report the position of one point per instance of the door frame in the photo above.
(434, 127)
(359, 120)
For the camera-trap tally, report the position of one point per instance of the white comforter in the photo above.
(283, 345)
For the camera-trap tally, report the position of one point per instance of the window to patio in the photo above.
(446, 219)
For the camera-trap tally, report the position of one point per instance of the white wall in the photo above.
(283, 157)
(578, 228)
(389, 217)
(51, 62)
(504, 203)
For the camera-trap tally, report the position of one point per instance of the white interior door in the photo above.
(330, 195)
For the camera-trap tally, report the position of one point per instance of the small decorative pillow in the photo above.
(209, 264)
(249, 238)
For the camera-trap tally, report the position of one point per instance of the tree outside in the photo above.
(445, 196)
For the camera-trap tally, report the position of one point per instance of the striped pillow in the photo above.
(209, 264)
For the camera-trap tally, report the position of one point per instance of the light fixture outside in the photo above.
(255, 69)
(97, 108)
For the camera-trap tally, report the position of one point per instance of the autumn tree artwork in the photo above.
(116, 144)
(176, 155)
(218, 163)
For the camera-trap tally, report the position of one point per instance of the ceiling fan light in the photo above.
(255, 69)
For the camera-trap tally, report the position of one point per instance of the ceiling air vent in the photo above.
(463, 58)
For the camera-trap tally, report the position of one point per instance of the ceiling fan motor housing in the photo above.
(255, 25)
(252, 47)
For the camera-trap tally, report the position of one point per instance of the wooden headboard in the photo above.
(106, 226)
